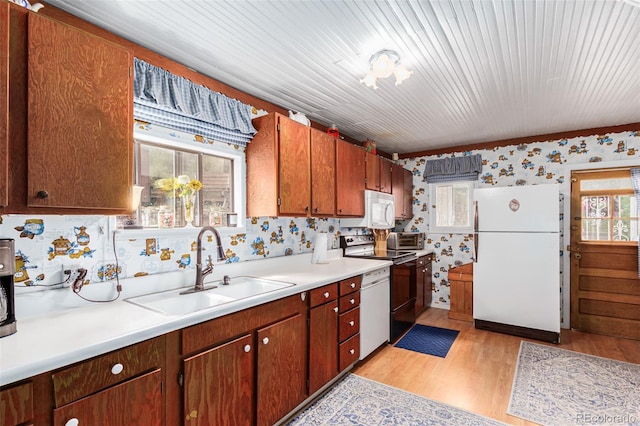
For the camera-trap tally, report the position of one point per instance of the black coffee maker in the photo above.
(7, 304)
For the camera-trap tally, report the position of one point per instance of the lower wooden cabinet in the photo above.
(219, 383)
(138, 401)
(16, 404)
(323, 338)
(461, 290)
(281, 368)
(245, 368)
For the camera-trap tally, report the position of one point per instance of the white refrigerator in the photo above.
(516, 274)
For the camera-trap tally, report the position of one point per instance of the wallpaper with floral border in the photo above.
(526, 164)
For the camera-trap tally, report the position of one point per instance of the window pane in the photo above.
(155, 163)
(597, 206)
(595, 230)
(217, 189)
(452, 205)
(596, 184)
(187, 165)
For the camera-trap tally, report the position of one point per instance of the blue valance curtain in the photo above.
(635, 179)
(165, 99)
(453, 169)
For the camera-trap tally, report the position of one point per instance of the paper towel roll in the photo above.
(320, 244)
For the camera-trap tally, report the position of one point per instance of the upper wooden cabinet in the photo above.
(402, 184)
(279, 168)
(80, 119)
(378, 173)
(4, 102)
(350, 173)
(323, 174)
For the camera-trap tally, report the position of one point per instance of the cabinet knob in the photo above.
(316, 210)
(335, 309)
(353, 285)
(72, 422)
(117, 368)
(306, 209)
(352, 351)
(352, 323)
(247, 348)
(43, 195)
(265, 340)
(303, 296)
(193, 414)
(352, 301)
(326, 295)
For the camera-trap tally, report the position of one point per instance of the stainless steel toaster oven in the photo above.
(405, 241)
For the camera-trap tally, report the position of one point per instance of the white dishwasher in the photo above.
(375, 297)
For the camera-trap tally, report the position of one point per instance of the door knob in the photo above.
(577, 256)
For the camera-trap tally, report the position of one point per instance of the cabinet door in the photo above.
(281, 368)
(218, 385)
(16, 404)
(397, 189)
(294, 168)
(408, 194)
(80, 138)
(349, 179)
(135, 402)
(323, 345)
(420, 288)
(4, 102)
(385, 175)
(372, 171)
(323, 173)
(427, 280)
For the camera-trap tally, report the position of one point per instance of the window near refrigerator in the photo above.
(451, 207)
(159, 208)
(609, 210)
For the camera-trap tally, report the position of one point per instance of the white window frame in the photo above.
(239, 184)
(433, 227)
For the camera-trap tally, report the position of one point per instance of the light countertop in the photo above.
(56, 328)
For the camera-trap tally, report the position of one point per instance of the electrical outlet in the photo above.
(69, 273)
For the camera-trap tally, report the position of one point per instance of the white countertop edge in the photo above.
(60, 338)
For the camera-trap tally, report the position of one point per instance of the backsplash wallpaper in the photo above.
(527, 164)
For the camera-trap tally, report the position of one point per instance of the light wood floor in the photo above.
(478, 371)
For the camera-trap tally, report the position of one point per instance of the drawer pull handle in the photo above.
(352, 351)
(352, 323)
(353, 285)
(326, 295)
(117, 368)
(72, 422)
(335, 309)
(265, 340)
(247, 348)
(352, 301)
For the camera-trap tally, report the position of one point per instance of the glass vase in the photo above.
(189, 203)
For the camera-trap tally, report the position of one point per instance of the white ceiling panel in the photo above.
(482, 70)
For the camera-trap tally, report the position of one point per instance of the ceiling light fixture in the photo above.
(382, 65)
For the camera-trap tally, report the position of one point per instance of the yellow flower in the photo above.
(182, 186)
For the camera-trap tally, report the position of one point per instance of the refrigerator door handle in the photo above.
(476, 236)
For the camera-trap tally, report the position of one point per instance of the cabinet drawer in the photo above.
(349, 301)
(350, 285)
(349, 324)
(72, 383)
(323, 294)
(16, 404)
(349, 352)
(137, 401)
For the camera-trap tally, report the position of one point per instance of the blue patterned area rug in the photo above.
(359, 401)
(428, 340)
(559, 387)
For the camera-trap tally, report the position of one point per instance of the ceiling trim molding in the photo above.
(526, 140)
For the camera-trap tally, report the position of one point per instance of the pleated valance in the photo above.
(453, 169)
(165, 99)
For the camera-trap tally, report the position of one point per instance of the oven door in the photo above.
(403, 298)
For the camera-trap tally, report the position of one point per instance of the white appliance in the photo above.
(379, 212)
(516, 274)
(374, 310)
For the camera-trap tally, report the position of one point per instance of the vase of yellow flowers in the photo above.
(186, 189)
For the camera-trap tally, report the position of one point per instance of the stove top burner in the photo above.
(363, 246)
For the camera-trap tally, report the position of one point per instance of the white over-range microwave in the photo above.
(379, 212)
